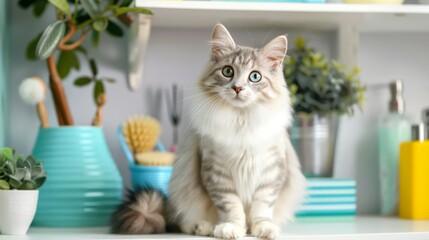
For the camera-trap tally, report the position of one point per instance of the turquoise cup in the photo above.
(156, 177)
(143, 177)
(83, 186)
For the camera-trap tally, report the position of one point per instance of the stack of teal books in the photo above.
(328, 197)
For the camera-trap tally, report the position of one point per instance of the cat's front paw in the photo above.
(203, 228)
(229, 231)
(265, 230)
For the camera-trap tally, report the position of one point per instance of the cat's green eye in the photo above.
(255, 76)
(228, 71)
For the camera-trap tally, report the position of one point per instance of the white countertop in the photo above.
(368, 228)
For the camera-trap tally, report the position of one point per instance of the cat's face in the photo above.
(242, 76)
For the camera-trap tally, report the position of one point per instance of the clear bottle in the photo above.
(393, 130)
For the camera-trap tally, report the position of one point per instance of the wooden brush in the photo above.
(33, 91)
(101, 100)
(154, 158)
(141, 133)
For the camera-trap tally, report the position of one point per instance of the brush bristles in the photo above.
(141, 133)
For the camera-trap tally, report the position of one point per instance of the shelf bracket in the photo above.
(139, 38)
(348, 45)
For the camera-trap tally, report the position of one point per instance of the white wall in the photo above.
(178, 55)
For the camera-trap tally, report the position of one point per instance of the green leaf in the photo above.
(111, 7)
(110, 80)
(14, 182)
(82, 81)
(82, 16)
(36, 171)
(61, 5)
(7, 152)
(82, 50)
(50, 39)
(93, 66)
(100, 25)
(28, 185)
(27, 164)
(123, 10)
(20, 173)
(39, 7)
(30, 52)
(95, 39)
(126, 3)
(91, 7)
(114, 29)
(98, 88)
(39, 181)
(66, 62)
(9, 168)
(31, 160)
(4, 185)
(26, 3)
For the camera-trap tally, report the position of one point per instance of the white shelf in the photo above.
(368, 18)
(368, 228)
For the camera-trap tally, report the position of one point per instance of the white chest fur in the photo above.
(243, 141)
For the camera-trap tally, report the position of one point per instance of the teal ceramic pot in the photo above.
(156, 177)
(83, 185)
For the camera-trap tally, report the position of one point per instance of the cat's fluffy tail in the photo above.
(141, 213)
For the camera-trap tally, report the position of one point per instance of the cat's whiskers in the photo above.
(208, 113)
(194, 111)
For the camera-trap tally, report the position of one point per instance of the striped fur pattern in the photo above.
(237, 173)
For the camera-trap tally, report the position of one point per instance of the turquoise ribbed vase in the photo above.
(83, 185)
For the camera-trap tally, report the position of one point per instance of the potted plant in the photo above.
(19, 180)
(85, 185)
(321, 91)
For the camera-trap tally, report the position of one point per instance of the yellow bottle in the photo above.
(414, 175)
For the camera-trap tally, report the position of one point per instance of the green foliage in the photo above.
(114, 29)
(66, 62)
(320, 86)
(30, 52)
(98, 16)
(17, 172)
(61, 5)
(39, 7)
(98, 82)
(49, 40)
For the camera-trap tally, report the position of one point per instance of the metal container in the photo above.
(314, 138)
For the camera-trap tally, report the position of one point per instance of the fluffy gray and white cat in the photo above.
(237, 172)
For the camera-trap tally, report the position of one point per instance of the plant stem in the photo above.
(69, 35)
(57, 89)
(71, 46)
(76, 5)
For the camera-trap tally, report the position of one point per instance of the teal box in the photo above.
(83, 186)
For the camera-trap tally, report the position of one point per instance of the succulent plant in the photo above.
(321, 86)
(19, 172)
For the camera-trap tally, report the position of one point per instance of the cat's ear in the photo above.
(275, 51)
(222, 42)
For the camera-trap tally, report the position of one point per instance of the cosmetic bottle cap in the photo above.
(396, 103)
(419, 132)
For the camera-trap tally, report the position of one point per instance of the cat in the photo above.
(237, 172)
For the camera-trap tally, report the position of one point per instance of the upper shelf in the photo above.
(368, 18)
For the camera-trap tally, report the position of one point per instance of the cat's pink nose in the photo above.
(237, 89)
